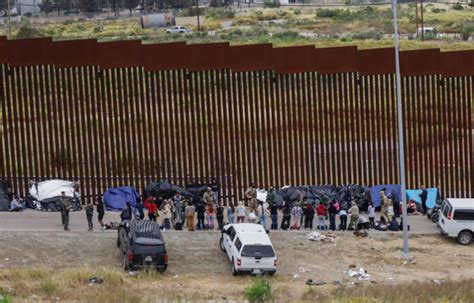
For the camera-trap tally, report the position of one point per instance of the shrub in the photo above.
(298, 12)
(286, 35)
(48, 287)
(211, 25)
(260, 291)
(328, 13)
(271, 3)
(471, 4)
(26, 32)
(467, 31)
(368, 34)
(436, 10)
(220, 14)
(245, 20)
(457, 7)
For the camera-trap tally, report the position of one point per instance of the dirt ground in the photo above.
(196, 261)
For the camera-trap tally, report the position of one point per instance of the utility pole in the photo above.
(401, 148)
(422, 23)
(416, 18)
(9, 20)
(197, 14)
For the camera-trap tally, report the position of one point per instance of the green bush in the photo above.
(436, 10)
(467, 31)
(328, 13)
(260, 291)
(367, 34)
(26, 32)
(457, 7)
(471, 4)
(271, 3)
(286, 35)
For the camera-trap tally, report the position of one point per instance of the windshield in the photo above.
(264, 251)
(446, 207)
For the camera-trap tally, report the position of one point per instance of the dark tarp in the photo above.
(5, 197)
(115, 198)
(52, 204)
(375, 192)
(166, 190)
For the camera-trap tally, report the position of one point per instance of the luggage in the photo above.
(178, 226)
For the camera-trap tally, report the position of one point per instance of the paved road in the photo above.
(31, 220)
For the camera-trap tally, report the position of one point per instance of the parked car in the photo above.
(456, 219)
(249, 249)
(142, 246)
(178, 30)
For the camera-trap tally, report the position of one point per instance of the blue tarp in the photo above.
(116, 197)
(375, 192)
(414, 194)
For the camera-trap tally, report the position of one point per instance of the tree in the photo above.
(4, 6)
(87, 6)
(131, 5)
(47, 6)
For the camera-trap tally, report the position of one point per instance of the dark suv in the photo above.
(141, 245)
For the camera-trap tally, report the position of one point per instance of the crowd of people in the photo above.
(209, 213)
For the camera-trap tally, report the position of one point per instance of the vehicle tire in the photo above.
(271, 273)
(161, 270)
(181, 32)
(221, 244)
(429, 214)
(465, 237)
(235, 272)
(435, 218)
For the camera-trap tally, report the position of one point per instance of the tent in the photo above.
(375, 192)
(414, 194)
(4, 197)
(45, 195)
(166, 190)
(116, 197)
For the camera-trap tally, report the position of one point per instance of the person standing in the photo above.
(296, 213)
(423, 197)
(166, 215)
(308, 216)
(220, 216)
(322, 214)
(371, 214)
(274, 215)
(354, 211)
(251, 196)
(396, 202)
(332, 211)
(209, 197)
(230, 213)
(210, 216)
(201, 211)
(150, 205)
(89, 214)
(286, 221)
(100, 212)
(65, 208)
(189, 212)
(241, 212)
(261, 214)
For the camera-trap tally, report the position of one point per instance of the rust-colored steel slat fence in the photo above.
(126, 113)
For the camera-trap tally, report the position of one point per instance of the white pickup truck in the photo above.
(249, 249)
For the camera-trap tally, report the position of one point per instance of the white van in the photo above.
(249, 249)
(456, 219)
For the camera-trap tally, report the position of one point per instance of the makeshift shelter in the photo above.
(166, 190)
(375, 192)
(5, 197)
(414, 194)
(44, 196)
(115, 198)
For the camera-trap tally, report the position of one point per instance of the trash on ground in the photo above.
(437, 282)
(296, 276)
(413, 261)
(133, 273)
(303, 270)
(352, 266)
(315, 282)
(96, 280)
(361, 274)
(315, 236)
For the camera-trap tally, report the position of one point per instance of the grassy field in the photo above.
(367, 27)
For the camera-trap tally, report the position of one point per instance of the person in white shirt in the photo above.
(240, 210)
(371, 215)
